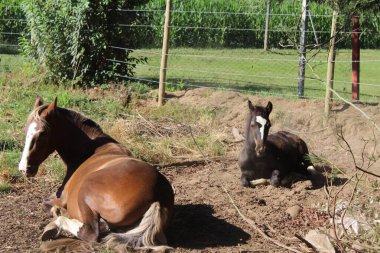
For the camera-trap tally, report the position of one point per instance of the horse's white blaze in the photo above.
(263, 122)
(32, 130)
(71, 226)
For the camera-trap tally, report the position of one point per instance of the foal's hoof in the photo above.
(51, 231)
(244, 182)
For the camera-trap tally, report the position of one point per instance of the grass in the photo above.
(20, 86)
(5, 187)
(256, 71)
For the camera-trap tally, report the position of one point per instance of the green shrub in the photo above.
(73, 39)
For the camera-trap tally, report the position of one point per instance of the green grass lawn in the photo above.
(262, 72)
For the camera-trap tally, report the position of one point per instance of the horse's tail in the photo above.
(147, 235)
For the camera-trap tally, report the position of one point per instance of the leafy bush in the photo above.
(72, 39)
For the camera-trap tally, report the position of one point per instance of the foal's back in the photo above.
(290, 150)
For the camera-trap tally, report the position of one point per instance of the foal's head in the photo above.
(38, 142)
(258, 126)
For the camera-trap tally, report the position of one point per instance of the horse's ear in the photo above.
(250, 105)
(269, 107)
(38, 102)
(52, 108)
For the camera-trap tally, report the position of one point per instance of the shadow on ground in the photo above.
(195, 227)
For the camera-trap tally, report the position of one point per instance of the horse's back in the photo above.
(117, 187)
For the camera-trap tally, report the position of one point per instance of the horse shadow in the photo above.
(195, 227)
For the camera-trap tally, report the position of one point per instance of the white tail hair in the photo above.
(147, 235)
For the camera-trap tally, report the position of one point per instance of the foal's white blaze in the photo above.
(71, 226)
(32, 130)
(263, 122)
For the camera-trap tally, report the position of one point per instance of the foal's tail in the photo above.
(147, 235)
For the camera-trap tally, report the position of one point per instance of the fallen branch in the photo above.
(194, 162)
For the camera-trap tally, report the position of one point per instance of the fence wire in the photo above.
(250, 69)
(228, 54)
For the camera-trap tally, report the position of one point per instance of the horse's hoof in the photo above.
(51, 231)
(47, 206)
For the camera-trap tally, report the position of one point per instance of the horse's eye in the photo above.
(259, 125)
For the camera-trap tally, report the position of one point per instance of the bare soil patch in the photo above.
(205, 220)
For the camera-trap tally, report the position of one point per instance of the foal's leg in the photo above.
(275, 178)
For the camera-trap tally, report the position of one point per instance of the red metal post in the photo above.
(355, 59)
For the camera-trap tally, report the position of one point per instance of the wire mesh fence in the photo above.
(12, 24)
(228, 53)
(220, 45)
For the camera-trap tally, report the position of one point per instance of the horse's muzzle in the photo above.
(31, 171)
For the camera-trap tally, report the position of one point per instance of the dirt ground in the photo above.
(208, 196)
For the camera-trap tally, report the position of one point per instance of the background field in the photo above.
(259, 72)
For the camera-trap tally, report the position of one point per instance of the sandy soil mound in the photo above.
(207, 197)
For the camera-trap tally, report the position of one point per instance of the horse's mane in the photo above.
(90, 127)
(87, 125)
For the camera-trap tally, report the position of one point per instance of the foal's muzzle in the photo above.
(260, 150)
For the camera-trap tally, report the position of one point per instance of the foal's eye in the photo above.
(259, 125)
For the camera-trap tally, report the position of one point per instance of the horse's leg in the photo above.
(48, 203)
(275, 178)
(87, 230)
(62, 223)
(54, 206)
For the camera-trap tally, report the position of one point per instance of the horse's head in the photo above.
(38, 142)
(258, 126)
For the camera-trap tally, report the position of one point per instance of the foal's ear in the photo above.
(250, 105)
(38, 102)
(52, 108)
(269, 107)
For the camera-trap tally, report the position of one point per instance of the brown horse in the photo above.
(277, 157)
(103, 182)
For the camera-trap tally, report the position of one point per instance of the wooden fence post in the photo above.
(164, 56)
(330, 69)
(302, 51)
(267, 26)
(355, 59)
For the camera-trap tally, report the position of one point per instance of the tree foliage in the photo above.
(72, 39)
